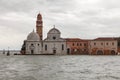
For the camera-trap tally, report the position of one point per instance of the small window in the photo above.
(62, 47)
(38, 44)
(101, 43)
(84, 44)
(113, 43)
(94, 43)
(106, 43)
(46, 47)
(84, 49)
(73, 44)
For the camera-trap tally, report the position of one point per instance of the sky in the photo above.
(85, 19)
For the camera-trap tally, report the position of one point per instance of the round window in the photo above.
(54, 37)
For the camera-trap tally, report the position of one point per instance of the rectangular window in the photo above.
(73, 44)
(62, 47)
(94, 43)
(84, 44)
(45, 47)
(101, 43)
(113, 43)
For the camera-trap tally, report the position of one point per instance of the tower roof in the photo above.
(39, 16)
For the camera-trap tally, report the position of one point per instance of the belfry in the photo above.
(39, 26)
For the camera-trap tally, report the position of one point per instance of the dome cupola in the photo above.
(33, 37)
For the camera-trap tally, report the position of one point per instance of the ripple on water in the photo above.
(59, 68)
(107, 77)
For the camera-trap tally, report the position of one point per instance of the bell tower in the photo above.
(39, 26)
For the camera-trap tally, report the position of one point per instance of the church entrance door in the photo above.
(54, 51)
(32, 51)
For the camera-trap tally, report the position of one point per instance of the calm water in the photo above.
(59, 67)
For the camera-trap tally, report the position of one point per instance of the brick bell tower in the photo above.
(39, 26)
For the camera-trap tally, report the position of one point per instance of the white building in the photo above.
(54, 44)
(33, 44)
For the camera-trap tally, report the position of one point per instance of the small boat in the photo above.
(3, 51)
(8, 53)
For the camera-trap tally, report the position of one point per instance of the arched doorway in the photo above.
(99, 52)
(32, 51)
(113, 52)
(54, 51)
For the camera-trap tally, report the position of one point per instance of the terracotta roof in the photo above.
(105, 39)
(75, 39)
(117, 38)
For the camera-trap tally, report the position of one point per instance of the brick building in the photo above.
(103, 46)
(77, 46)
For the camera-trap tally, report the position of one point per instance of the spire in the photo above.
(39, 16)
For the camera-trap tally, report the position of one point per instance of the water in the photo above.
(74, 67)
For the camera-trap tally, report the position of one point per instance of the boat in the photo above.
(8, 53)
(3, 51)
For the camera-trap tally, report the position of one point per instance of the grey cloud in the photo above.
(111, 4)
(74, 18)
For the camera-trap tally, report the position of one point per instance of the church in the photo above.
(53, 44)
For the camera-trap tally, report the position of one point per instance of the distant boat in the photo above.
(3, 51)
(8, 53)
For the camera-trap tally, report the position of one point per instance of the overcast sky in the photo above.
(86, 19)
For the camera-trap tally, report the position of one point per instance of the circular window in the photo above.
(54, 37)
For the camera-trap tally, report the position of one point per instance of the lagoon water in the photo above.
(51, 67)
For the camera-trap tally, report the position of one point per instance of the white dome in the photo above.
(33, 37)
(54, 31)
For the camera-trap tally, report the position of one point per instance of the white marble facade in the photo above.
(53, 44)
(33, 44)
